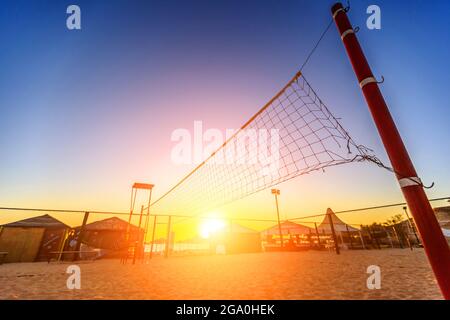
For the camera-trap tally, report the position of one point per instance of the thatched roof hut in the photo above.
(110, 234)
(32, 239)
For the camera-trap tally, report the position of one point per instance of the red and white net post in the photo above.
(434, 242)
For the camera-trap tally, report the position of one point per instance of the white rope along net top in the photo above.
(292, 135)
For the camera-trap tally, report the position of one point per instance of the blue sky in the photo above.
(85, 113)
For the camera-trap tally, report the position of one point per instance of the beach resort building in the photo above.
(294, 235)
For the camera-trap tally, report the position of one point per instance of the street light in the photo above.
(276, 192)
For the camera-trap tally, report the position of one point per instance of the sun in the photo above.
(211, 226)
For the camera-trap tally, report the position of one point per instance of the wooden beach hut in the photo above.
(108, 234)
(32, 239)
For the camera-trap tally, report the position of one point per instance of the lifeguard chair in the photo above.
(135, 246)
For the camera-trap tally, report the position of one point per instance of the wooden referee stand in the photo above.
(136, 245)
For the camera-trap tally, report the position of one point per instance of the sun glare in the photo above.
(209, 227)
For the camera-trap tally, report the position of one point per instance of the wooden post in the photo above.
(276, 192)
(80, 236)
(330, 219)
(375, 238)
(310, 238)
(398, 238)
(412, 225)
(166, 253)
(147, 218)
(153, 237)
(407, 240)
(342, 239)
(389, 237)
(317, 233)
(350, 236)
(371, 236)
(61, 244)
(362, 239)
(133, 201)
(138, 243)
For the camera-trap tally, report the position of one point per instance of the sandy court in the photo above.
(295, 275)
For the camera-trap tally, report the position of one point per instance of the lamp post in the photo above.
(276, 192)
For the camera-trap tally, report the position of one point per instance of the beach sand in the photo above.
(282, 275)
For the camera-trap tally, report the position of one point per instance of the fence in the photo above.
(377, 227)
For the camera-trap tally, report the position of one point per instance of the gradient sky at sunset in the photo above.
(84, 114)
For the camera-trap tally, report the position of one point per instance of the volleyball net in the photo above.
(292, 135)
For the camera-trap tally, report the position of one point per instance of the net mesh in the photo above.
(292, 135)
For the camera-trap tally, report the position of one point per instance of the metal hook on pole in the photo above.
(370, 79)
(428, 187)
(347, 8)
(382, 80)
